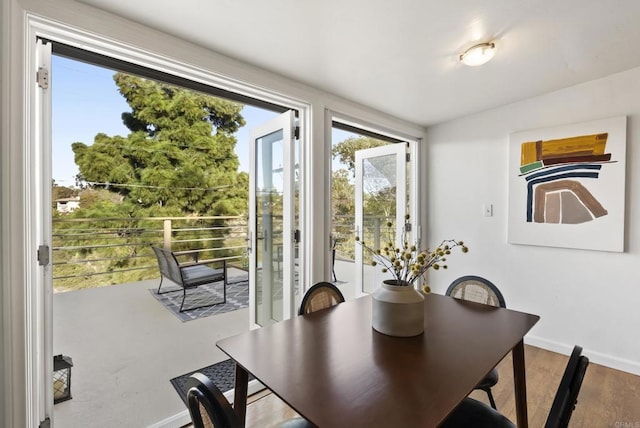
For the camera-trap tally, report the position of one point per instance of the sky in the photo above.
(86, 101)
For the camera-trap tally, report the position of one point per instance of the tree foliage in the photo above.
(342, 194)
(178, 157)
(178, 160)
(346, 150)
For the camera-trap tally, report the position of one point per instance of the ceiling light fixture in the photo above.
(478, 54)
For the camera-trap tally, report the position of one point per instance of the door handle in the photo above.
(248, 239)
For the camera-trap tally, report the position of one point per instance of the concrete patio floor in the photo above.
(125, 347)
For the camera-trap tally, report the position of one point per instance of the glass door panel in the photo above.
(381, 198)
(270, 222)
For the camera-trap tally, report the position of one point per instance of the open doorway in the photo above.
(139, 162)
(371, 182)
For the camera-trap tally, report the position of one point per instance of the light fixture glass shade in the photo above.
(478, 54)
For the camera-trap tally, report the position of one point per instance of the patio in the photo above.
(125, 347)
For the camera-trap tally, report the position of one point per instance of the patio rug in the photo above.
(222, 374)
(237, 298)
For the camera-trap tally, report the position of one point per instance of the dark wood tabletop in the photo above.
(336, 371)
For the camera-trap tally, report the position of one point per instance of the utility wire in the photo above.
(107, 184)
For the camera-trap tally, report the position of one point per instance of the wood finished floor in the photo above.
(608, 398)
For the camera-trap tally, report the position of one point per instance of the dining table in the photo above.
(335, 370)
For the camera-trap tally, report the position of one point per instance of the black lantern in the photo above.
(61, 378)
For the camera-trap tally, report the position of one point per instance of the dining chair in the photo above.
(476, 289)
(320, 296)
(473, 413)
(479, 290)
(209, 408)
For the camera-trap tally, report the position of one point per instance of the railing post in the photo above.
(166, 236)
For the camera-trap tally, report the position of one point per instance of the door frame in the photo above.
(36, 307)
(416, 176)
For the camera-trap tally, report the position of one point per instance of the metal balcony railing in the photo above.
(91, 252)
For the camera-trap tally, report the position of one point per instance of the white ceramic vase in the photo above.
(397, 310)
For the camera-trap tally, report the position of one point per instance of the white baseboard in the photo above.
(606, 360)
(183, 418)
(176, 421)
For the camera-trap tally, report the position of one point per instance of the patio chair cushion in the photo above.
(192, 276)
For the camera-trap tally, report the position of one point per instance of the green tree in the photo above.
(179, 156)
(342, 194)
(178, 160)
(346, 150)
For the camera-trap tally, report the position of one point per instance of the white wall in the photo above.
(590, 298)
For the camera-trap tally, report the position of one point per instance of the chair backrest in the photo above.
(476, 289)
(567, 395)
(208, 407)
(168, 264)
(320, 296)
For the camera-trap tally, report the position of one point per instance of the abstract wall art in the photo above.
(567, 185)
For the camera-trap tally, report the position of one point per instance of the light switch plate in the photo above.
(487, 209)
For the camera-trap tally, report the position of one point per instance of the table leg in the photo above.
(240, 393)
(520, 384)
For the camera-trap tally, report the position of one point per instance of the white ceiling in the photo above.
(401, 56)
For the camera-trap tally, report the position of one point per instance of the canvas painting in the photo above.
(567, 185)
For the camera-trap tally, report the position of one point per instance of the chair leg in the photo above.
(161, 278)
(333, 265)
(184, 296)
(224, 283)
(224, 292)
(491, 400)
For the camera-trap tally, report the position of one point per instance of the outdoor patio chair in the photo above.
(189, 275)
(479, 290)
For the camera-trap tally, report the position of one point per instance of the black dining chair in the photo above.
(320, 296)
(479, 290)
(209, 408)
(473, 413)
